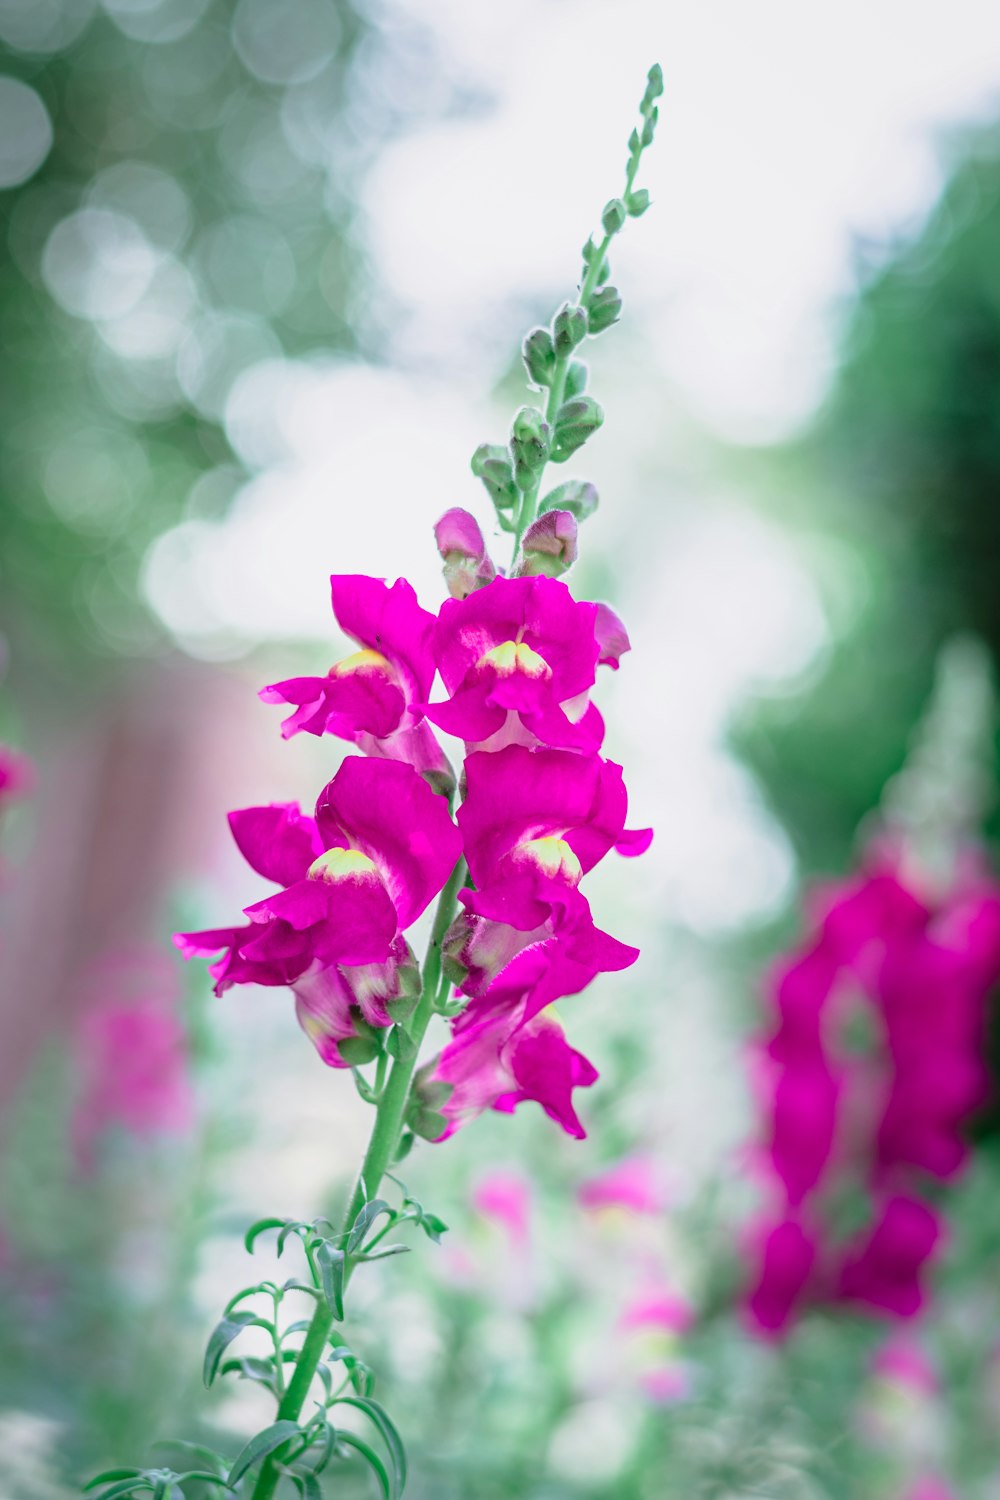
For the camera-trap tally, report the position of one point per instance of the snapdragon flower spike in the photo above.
(518, 659)
(372, 698)
(467, 564)
(872, 1071)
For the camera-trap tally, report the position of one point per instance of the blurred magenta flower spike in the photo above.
(133, 1062)
(17, 775)
(512, 932)
(872, 1068)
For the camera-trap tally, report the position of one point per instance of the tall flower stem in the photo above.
(390, 1114)
(557, 384)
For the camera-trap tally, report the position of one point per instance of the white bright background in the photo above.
(789, 133)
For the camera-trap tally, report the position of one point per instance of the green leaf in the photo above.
(107, 1475)
(261, 1226)
(259, 1447)
(222, 1336)
(576, 495)
(372, 1459)
(433, 1227)
(197, 1450)
(290, 1226)
(330, 1264)
(384, 1251)
(366, 1218)
(577, 375)
(127, 1487)
(248, 1291)
(380, 1419)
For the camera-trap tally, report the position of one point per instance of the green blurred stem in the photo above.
(390, 1115)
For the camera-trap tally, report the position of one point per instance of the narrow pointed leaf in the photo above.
(330, 1263)
(371, 1458)
(259, 1447)
(222, 1336)
(380, 1418)
(261, 1226)
(366, 1218)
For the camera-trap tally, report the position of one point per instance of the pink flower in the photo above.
(505, 1197)
(17, 775)
(518, 659)
(353, 879)
(869, 1077)
(132, 1055)
(467, 564)
(903, 1363)
(632, 1184)
(372, 698)
(501, 1055)
(653, 1322)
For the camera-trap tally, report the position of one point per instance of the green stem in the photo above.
(389, 1117)
(557, 384)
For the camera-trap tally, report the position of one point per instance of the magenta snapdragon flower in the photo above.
(374, 697)
(872, 1069)
(518, 658)
(353, 880)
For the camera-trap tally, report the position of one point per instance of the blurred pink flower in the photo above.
(505, 1197)
(132, 1054)
(873, 1067)
(17, 775)
(653, 1323)
(634, 1184)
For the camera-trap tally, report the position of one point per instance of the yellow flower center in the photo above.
(342, 864)
(554, 858)
(358, 662)
(515, 656)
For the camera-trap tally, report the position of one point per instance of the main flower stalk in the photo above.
(390, 1114)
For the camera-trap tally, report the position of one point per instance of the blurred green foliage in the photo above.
(195, 213)
(903, 467)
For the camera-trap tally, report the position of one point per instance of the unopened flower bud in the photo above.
(427, 1097)
(491, 463)
(569, 327)
(539, 355)
(576, 495)
(648, 129)
(576, 379)
(605, 309)
(467, 565)
(654, 83)
(550, 544)
(637, 202)
(575, 421)
(530, 439)
(614, 216)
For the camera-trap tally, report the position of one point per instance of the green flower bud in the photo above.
(649, 128)
(576, 379)
(654, 85)
(605, 309)
(577, 496)
(637, 202)
(569, 327)
(530, 439)
(614, 216)
(539, 355)
(491, 463)
(575, 421)
(550, 545)
(634, 143)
